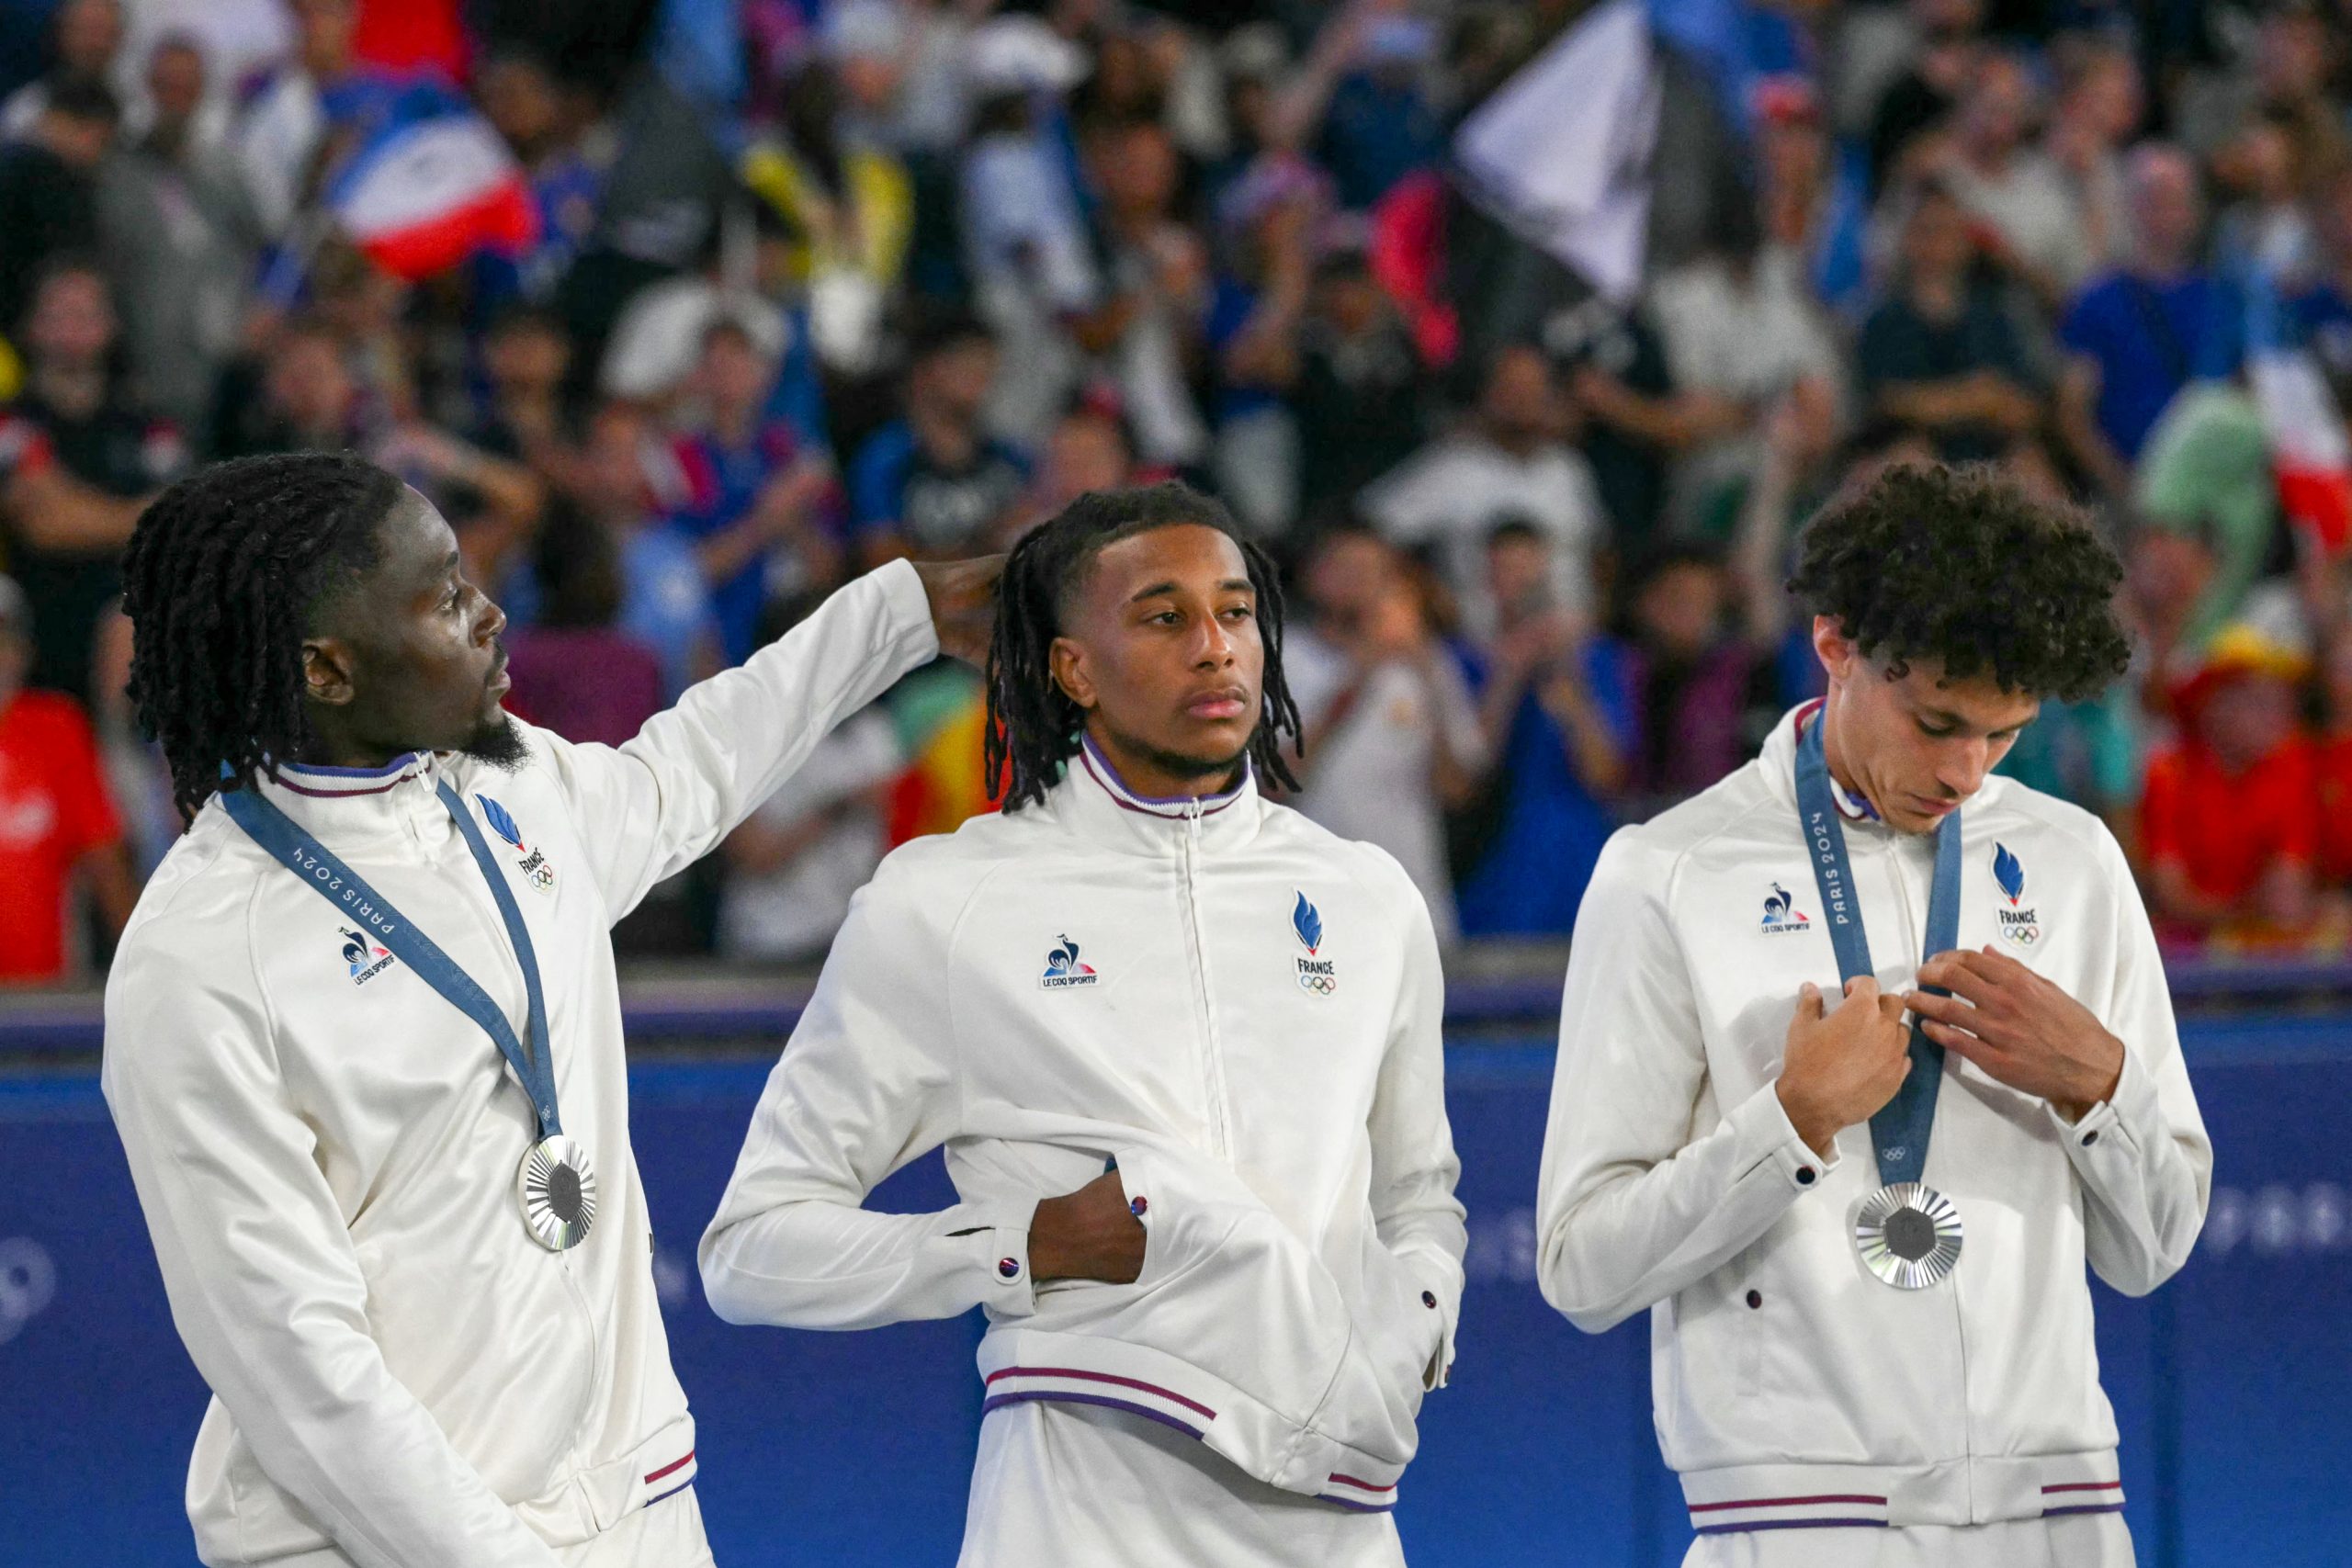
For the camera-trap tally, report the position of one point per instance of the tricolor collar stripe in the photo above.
(2083, 1508)
(2084, 1487)
(399, 764)
(335, 783)
(1169, 808)
(1852, 807)
(1361, 1485)
(1355, 1505)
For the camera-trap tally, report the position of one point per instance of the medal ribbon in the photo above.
(1899, 1132)
(318, 868)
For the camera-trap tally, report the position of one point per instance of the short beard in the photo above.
(1187, 767)
(500, 743)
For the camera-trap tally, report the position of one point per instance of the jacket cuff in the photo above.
(1437, 1294)
(1766, 1135)
(906, 609)
(2114, 1123)
(994, 1240)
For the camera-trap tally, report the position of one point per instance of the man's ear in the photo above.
(1836, 650)
(1069, 661)
(327, 670)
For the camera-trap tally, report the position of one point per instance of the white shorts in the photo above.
(2077, 1541)
(1074, 1483)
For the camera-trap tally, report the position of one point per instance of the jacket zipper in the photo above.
(1213, 1065)
(1915, 938)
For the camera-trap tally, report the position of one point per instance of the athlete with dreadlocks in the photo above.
(1180, 1045)
(423, 1299)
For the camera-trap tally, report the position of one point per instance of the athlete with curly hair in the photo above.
(364, 1038)
(1214, 1350)
(1863, 1240)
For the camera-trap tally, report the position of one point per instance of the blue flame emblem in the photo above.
(500, 822)
(2008, 873)
(1307, 924)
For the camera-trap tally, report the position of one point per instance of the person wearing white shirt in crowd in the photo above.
(1182, 1048)
(425, 1302)
(1392, 733)
(1514, 457)
(1848, 1374)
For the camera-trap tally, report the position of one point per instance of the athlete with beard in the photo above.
(1180, 1045)
(364, 1038)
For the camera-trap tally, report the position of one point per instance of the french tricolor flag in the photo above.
(2309, 451)
(431, 185)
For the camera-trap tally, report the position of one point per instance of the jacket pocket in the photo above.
(1403, 1331)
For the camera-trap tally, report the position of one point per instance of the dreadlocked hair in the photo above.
(1031, 722)
(220, 581)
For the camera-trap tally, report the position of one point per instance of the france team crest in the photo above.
(2019, 927)
(1318, 975)
(532, 864)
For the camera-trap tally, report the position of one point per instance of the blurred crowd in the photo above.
(807, 285)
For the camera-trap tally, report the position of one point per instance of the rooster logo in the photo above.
(1778, 911)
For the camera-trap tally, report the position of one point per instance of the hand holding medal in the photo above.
(2020, 1027)
(1841, 1067)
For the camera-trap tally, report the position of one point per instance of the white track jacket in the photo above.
(326, 1149)
(1239, 1009)
(1791, 1385)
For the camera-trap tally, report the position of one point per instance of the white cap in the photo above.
(1011, 54)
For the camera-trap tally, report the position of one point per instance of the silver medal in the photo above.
(1908, 1235)
(557, 1188)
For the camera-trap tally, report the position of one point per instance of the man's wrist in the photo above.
(1806, 1124)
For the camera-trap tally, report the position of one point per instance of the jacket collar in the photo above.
(356, 806)
(1778, 761)
(1096, 802)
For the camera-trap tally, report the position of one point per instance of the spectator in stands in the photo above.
(298, 396)
(1147, 334)
(115, 448)
(1033, 270)
(1089, 449)
(1268, 218)
(1702, 695)
(574, 671)
(178, 240)
(57, 820)
(48, 193)
(1944, 63)
(1359, 395)
(521, 96)
(1557, 717)
(2139, 334)
(1742, 330)
(1390, 740)
(794, 864)
(303, 118)
(85, 36)
(1809, 195)
(2332, 763)
(759, 498)
(666, 603)
(2100, 105)
(1942, 354)
(934, 484)
(526, 363)
(2032, 220)
(1511, 459)
(2229, 821)
(2323, 311)
(1380, 124)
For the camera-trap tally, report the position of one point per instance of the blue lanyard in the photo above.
(1899, 1132)
(318, 868)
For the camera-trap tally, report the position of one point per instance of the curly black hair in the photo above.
(223, 577)
(1959, 568)
(1031, 722)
